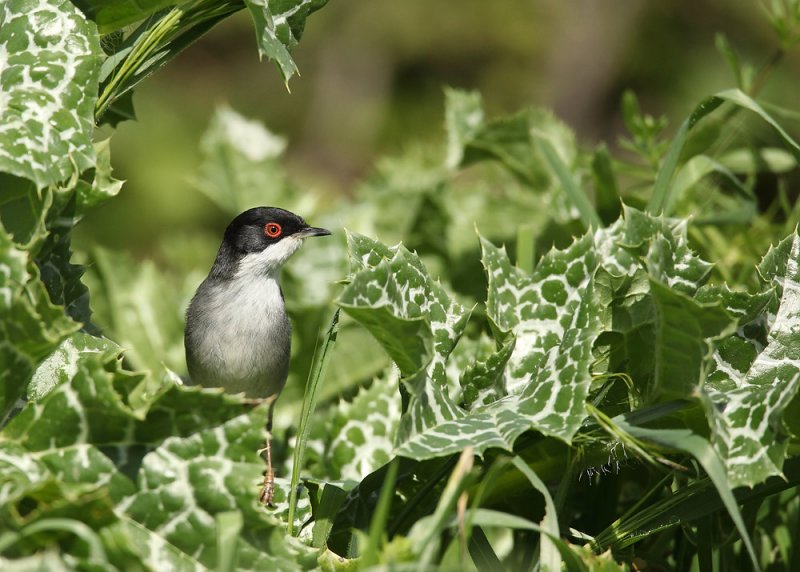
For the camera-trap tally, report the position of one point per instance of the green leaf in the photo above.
(684, 330)
(483, 381)
(745, 406)
(62, 365)
(463, 119)
(551, 315)
(103, 186)
(31, 327)
(663, 191)
(89, 409)
(49, 83)
(116, 14)
(215, 471)
(533, 145)
(240, 164)
(279, 26)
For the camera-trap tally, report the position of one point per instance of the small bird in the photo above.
(238, 335)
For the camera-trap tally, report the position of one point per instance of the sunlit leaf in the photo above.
(47, 109)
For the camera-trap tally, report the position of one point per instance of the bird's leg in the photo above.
(268, 490)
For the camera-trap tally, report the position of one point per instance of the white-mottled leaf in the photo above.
(50, 61)
(213, 471)
(355, 438)
(415, 320)
(745, 405)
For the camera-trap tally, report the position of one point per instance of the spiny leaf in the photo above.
(417, 323)
(357, 437)
(31, 327)
(746, 409)
(279, 26)
(683, 333)
(210, 472)
(482, 382)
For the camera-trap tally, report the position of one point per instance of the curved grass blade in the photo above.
(662, 189)
(486, 518)
(700, 449)
(426, 533)
(549, 559)
(482, 553)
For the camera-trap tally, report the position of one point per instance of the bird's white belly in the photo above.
(245, 345)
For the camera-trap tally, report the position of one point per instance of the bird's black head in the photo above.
(270, 232)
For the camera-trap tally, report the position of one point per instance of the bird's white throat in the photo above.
(269, 261)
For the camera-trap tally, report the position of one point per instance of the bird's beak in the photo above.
(312, 231)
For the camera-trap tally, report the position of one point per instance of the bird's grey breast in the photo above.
(238, 336)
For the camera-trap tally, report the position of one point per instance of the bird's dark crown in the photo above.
(247, 232)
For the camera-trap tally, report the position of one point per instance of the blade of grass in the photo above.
(571, 186)
(482, 553)
(705, 541)
(700, 449)
(606, 190)
(421, 495)
(320, 364)
(229, 526)
(548, 559)
(426, 532)
(687, 504)
(662, 189)
(332, 499)
(487, 518)
(377, 527)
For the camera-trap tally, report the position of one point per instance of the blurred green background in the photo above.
(372, 82)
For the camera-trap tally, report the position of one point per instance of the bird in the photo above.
(238, 335)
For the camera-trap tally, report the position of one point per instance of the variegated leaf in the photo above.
(357, 437)
(745, 402)
(50, 58)
(415, 320)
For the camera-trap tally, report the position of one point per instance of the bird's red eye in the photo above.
(272, 229)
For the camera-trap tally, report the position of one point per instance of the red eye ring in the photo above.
(272, 229)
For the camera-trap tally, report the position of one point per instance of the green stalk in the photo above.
(172, 32)
(320, 365)
(141, 52)
(526, 248)
(377, 526)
